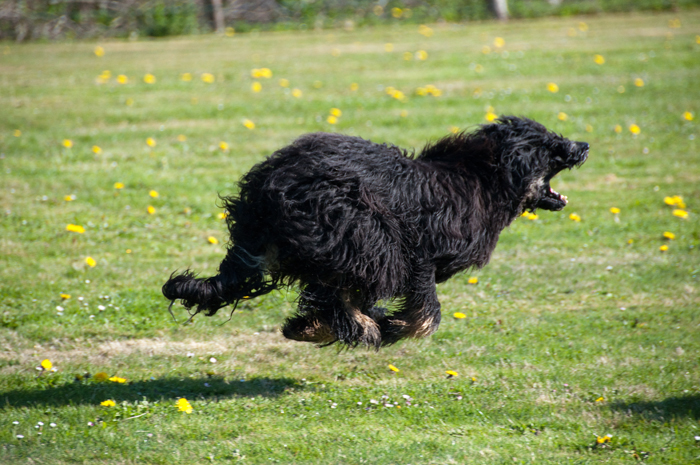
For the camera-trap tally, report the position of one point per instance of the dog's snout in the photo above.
(583, 146)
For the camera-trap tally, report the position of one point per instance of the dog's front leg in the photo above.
(419, 314)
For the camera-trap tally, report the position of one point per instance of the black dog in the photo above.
(354, 222)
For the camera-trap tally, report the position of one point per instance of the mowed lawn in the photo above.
(578, 343)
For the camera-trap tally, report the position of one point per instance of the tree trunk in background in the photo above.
(218, 16)
(500, 7)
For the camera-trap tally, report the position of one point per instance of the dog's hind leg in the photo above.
(419, 313)
(327, 315)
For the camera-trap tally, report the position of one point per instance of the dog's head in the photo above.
(529, 156)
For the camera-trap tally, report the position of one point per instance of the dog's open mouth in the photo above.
(551, 199)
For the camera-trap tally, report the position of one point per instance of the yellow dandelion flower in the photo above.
(149, 79)
(393, 368)
(90, 262)
(354, 86)
(129, 102)
(499, 42)
(583, 27)
(332, 119)
(67, 143)
(618, 128)
(407, 56)
(425, 30)
(256, 86)
(284, 82)
(485, 49)
(208, 78)
(336, 112)
(634, 129)
(222, 215)
(561, 116)
(688, 116)
(69, 198)
(404, 113)
(318, 84)
(230, 32)
(630, 241)
(75, 228)
(614, 210)
(122, 79)
(589, 128)
(183, 405)
(491, 116)
(65, 296)
(479, 68)
(669, 235)
(18, 133)
(396, 12)
(532, 216)
(265, 73)
(459, 315)
(451, 373)
(680, 213)
(212, 240)
(676, 200)
(604, 439)
(187, 77)
(96, 149)
(108, 403)
(249, 124)
(639, 82)
(421, 55)
(151, 210)
(599, 59)
(473, 280)
(575, 217)
(151, 142)
(398, 95)
(153, 193)
(297, 93)
(117, 379)
(46, 365)
(101, 376)
(388, 47)
(600, 399)
(663, 248)
(119, 185)
(552, 87)
(181, 138)
(454, 129)
(99, 51)
(223, 146)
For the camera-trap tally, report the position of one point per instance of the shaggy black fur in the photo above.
(354, 222)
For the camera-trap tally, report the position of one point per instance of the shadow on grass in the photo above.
(91, 392)
(684, 406)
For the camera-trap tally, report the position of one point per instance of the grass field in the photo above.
(579, 343)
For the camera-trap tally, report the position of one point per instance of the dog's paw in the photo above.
(304, 330)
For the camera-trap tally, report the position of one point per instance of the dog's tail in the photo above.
(238, 279)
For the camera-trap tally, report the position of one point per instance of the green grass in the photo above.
(575, 330)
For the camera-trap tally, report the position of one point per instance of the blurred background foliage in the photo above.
(22, 20)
